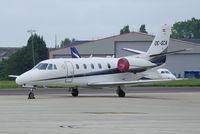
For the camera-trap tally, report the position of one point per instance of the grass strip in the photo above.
(8, 84)
(178, 83)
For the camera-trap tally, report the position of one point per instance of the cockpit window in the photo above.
(42, 66)
(162, 72)
(50, 67)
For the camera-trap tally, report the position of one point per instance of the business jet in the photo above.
(100, 72)
(160, 73)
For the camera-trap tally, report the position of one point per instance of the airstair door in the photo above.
(70, 72)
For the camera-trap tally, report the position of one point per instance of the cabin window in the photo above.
(100, 67)
(109, 66)
(50, 67)
(84, 65)
(162, 72)
(92, 66)
(55, 67)
(77, 66)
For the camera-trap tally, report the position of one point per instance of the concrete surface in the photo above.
(97, 91)
(138, 113)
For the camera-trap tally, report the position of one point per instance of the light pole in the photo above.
(33, 53)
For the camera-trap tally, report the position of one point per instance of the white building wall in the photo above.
(178, 63)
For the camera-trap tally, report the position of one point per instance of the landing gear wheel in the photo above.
(120, 92)
(74, 92)
(31, 94)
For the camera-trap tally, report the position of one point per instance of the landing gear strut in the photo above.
(120, 92)
(31, 94)
(74, 92)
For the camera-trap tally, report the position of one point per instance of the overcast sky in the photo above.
(86, 19)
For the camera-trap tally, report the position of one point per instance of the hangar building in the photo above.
(177, 63)
(6, 52)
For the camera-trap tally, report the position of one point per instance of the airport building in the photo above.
(6, 52)
(184, 63)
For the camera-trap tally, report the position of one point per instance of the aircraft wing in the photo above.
(137, 82)
(13, 76)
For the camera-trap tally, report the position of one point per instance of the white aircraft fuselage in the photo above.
(80, 72)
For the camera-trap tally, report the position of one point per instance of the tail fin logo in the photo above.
(74, 53)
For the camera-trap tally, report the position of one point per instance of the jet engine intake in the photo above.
(123, 65)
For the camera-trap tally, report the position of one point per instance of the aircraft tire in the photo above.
(31, 95)
(120, 92)
(75, 92)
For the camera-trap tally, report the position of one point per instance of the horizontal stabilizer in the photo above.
(133, 51)
(168, 53)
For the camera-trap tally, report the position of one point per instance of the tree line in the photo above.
(22, 60)
(189, 29)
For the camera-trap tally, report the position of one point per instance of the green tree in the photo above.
(40, 49)
(189, 29)
(143, 29)
(65, 42)
(22, 60)
(73, 40)
(2, 70)
(125, 29)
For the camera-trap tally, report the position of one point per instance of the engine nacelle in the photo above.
(123, 65)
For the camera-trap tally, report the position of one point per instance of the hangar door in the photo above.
(138, 45)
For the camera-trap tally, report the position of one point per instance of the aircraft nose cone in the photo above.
(18, 81)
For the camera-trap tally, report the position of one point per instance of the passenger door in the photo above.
(70, 72)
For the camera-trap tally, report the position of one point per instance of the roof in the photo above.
(77, 42)
(197, 41)
(150, 37)
(74, 43)
(7, 51)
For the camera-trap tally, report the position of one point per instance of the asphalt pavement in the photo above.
(42, 91)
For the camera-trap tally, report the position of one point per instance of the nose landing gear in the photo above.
(31, 94)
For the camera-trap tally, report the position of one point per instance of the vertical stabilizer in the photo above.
(160, 42)
(159, 46)
(74, 53)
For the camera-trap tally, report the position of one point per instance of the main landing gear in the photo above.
(74, 91)
(31, 93)
(120, 92)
